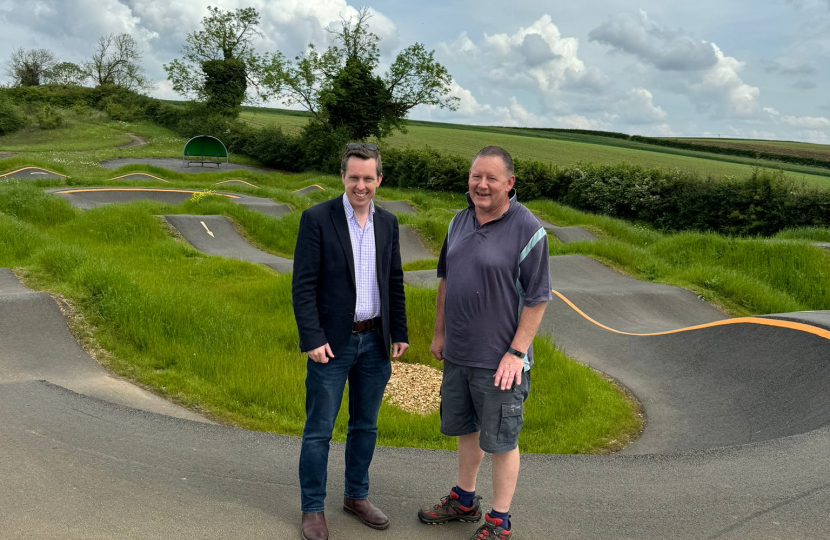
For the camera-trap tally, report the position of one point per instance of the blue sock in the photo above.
(465, 498)
(504, 517)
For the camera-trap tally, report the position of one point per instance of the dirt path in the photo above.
(135, 140)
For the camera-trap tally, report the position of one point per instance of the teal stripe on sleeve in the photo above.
(541, 233)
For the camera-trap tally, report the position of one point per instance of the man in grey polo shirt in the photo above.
(493, 290)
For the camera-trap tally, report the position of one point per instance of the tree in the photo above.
(219, 63)
(30, 67)
(117, 61)
(339, 87)
(358, 102)
(67, 73)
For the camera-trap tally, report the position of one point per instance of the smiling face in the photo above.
(490, 186)
(360, 180)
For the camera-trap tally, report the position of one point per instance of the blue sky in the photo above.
(735, 68)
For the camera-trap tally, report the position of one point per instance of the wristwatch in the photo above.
(514, 352)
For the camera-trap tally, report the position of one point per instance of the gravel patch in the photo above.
(414, 388)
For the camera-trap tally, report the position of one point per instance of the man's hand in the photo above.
(437, 347)
(398, 349)
(510, 369)
(321, 354)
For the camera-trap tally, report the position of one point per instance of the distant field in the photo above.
(788, 148)
(557, 148)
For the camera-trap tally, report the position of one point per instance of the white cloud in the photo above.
(513, 114)
(468, 107)
(638, 108)
(806, 122)
(575, 121)
(696, 67)
(536, 57)
(70, 27)
(722, 86)
(665, 48)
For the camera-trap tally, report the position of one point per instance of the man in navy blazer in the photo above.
(350, 310)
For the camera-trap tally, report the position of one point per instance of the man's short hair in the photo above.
(496, 151)
(361, 151)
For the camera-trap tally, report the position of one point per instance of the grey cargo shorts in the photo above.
(470, 403)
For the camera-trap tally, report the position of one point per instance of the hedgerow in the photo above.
(670, 200)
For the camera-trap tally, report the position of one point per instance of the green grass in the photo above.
(83, 142)
(821, 151)
(744, 276)
(423, 264)
(812, 234)
(75, 135)
(219, 334)
(558, 148)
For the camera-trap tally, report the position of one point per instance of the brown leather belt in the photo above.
(365, 326)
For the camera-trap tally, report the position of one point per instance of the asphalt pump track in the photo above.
(179, 165)
(216, 235)
(736, 444)
(92, 197)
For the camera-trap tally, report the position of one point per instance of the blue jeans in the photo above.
(367, 368)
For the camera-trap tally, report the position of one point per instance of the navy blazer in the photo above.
(323, 287)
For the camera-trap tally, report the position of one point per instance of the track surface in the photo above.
(567, 234)
(176, 164)
(309, 189)
(35, 344)
(216, 235)
(32, 173)
(140, 177)
(396, 207)
(735, 446)
(91, 197)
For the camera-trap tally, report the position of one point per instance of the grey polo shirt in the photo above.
(492, 271)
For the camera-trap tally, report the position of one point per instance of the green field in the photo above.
(557, 148)
(787, 148)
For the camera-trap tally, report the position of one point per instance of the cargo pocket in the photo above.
(511, 422)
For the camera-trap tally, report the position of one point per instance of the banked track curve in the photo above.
(736, 443)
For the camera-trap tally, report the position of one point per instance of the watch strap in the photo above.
(514, 352)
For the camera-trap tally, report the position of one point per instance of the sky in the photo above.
(713, 68)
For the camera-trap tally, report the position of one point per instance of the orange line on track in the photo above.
(318, 186)
(820, 332)
(142, 174)
(236, 180)
(38, 168)
(141, 189)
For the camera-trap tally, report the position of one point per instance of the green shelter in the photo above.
(204, 149)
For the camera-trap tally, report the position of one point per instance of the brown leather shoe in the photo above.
(368, 513)
(314, 526)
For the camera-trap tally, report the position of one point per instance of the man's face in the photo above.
(489, 184)
(360, 180)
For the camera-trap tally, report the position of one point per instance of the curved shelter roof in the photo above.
(204, 149)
